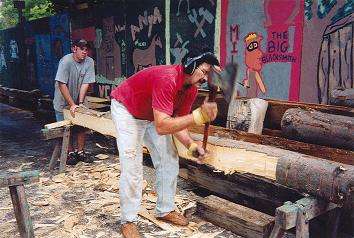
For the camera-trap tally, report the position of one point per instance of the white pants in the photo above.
(132, 133)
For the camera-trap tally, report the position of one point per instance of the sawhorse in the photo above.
(55, 133)
(300, 213)
(15, 182)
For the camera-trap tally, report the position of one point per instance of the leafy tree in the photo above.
(33, 9)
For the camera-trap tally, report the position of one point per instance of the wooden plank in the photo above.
(101, 123)
(97, 100)
(236, 218)
(57, 124)
(48, 134)
(21, 210)
(12, 179)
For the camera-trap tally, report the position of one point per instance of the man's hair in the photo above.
(196, 56)
(80, 43)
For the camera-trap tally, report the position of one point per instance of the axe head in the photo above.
(225, 80)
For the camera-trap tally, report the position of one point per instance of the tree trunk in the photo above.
(319, 128)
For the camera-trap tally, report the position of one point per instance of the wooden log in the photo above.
(342, 97)
(12, 179)
(333, 154)
(319, 128)
(277, 108)
(236, 218)
(229, 156)
(233, 186)
(330, 181)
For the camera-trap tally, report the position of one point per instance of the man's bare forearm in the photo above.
(66, 94)
(184, 137)
(83, 91)
(170, 125)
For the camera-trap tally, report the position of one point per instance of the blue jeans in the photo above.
(59, 116)
(132, 133)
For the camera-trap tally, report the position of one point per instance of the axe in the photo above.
(225, 80)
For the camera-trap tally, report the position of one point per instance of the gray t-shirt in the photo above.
(73, 74)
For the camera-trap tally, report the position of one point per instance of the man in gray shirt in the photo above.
(75, 73)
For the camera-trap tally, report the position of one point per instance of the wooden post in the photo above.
(21, 210)
(64, 149)
(55, 156)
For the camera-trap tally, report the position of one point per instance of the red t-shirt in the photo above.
(157, 87)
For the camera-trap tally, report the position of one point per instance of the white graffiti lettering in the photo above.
(179, 52)
(146, 20)
(193, 18)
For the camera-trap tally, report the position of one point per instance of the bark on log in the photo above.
(330, 181)
(319, 128)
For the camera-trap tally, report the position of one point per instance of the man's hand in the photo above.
(196, 150)
(73, 109)
(206, 113)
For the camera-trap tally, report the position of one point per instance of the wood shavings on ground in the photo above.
(84, 202)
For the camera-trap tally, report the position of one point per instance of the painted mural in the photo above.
(127, 43)
(265, 40)
(191, 23)
(10, 63)
(328, 49)
(298, 50)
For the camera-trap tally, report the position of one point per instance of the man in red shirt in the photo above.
(148, 108)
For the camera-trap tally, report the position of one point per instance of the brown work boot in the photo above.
(175, 218)
(130, 230)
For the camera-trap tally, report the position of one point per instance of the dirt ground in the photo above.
(83, 202)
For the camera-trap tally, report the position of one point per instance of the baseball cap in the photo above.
(80, 43)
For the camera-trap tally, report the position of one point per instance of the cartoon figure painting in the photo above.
(253, 61)
(145, 58)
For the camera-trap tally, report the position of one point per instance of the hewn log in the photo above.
(234, 217)
(228, 157)
(319, 128)
(333, 154)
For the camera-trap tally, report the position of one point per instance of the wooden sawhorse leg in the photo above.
(64, 149)
(63, 153)
(21, 210)
(55, 155)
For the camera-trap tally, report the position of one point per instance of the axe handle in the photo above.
(212, 95)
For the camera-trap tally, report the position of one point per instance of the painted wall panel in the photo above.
(265, 40)
(327, 49)
(45, 71)
(10, 75)
(191, 23)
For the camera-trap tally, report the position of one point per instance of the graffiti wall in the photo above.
(129, 38)
(327, 49)
(191, 23)
(296, 50)
(10, 62)
(264, 38)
